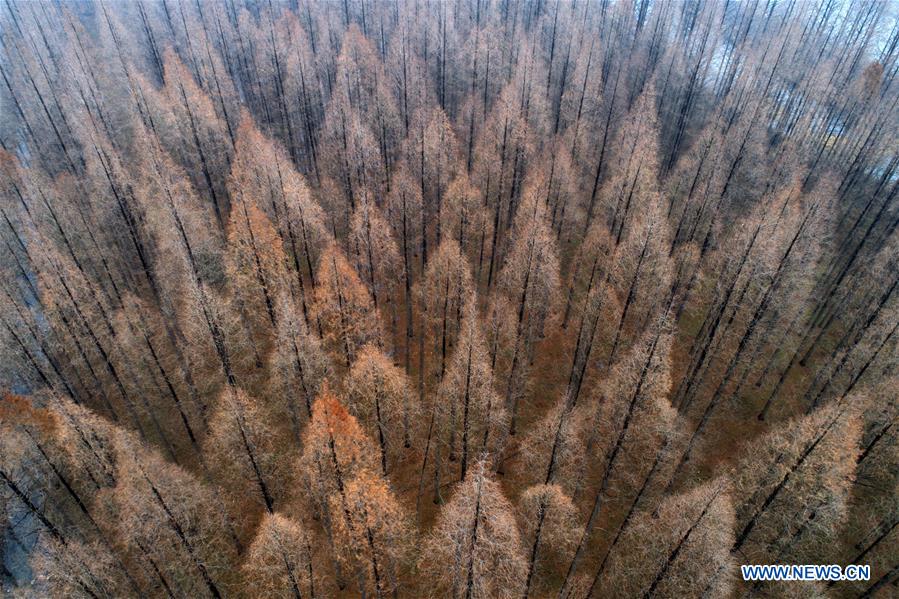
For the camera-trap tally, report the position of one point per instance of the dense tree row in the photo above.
(477, 298)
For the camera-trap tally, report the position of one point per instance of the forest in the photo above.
(448, 298)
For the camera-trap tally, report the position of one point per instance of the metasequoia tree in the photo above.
(405, 213)
(72, 303)
(550, 524)
(640, 275)
(530, 96)
(785, 246)
(69, 440)
(273, 40)
(344, 308)
(262, 173)
(376, 256)
(371, 533)
(707, 176)
(872, 522)
(474, 549)
(75, 568)
(48, 227)
(695, 59)
(500, 330)
(120, 243)
(163, 512)
(444, 293)
(191, 34)
(242, 443)
(296, 76)
(379, 394)
(629, 429)
(211, 71)
(335, 447)
(27, 359)
(298, 368)
(632, 185)
(163, 380)
(37, 104)
(279, 561)
(256, 266)
(681, 549)
(100, 113)
(562, 189)
(335, 451)
(878, 440)
(252, 57)
(732, 282)
(186, 224)
(189, 260)
(32, 358)
(470, 416)
(360, 83)
(351, 157)
(553, 450)
(407, 68)
(691, 183)
(80, 441)
(464, 218)
(432, 158)
(63, 518)
(784, 486)
(579, 107)
(871, 341)
(500, 153)
(530, 279)
(192, 132)
(590, 300)
(744, 301)
(486, 49)
(238, 352)
(24, 361)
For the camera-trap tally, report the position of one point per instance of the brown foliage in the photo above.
(279, 561)
(475, 549)
(379, 394)
(344, 308)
